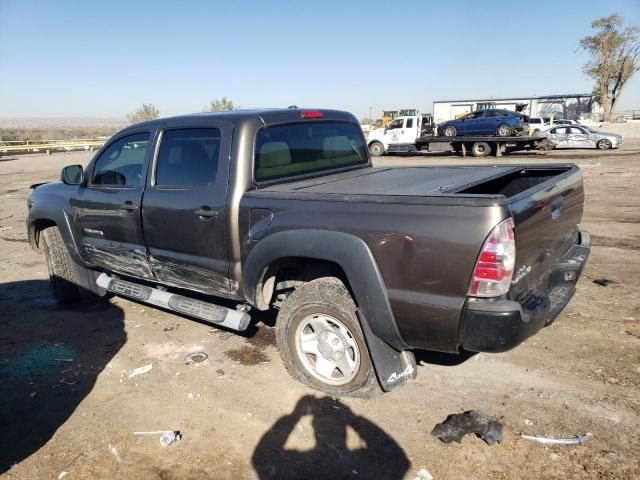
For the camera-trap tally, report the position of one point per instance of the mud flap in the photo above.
(393, 368)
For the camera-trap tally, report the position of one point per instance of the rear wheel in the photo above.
(604, 144)
(376, 149)
(480, 149)
(321, 342)
(450, 131)
(63, 282)
(504, 130)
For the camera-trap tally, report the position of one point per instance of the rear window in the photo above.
(301, 148)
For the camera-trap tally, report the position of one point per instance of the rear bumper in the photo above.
(499, 325)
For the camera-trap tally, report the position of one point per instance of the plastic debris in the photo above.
(423, 474)
(140, 370)
(603, 282)
(63, 474)
(575, 440)
(167, 437)
(195, 357)
(458, 425)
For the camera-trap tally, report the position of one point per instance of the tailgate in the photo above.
(546, 219)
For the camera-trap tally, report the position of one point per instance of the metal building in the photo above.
(574, 106)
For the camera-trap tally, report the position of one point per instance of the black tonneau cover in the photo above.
(398, 181)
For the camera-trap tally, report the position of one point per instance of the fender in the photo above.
(50, 203)
(350, 253)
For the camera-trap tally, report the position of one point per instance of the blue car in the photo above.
(502, 123)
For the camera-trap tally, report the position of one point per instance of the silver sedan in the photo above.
(581, 136)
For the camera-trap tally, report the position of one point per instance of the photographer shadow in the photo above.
(377, 455)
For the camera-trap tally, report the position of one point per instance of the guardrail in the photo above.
(48, 146)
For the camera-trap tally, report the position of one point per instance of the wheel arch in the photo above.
(323, 253)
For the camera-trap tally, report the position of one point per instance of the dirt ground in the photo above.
(69, 402)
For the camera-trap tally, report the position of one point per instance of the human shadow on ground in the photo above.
(376, 455)
(50, 358)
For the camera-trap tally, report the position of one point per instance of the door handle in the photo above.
(128, 206)
(205, 212)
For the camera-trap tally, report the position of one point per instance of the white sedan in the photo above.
(580, 136)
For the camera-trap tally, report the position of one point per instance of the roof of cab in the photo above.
(267, 116)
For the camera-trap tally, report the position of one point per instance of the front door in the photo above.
(184, 208)
(580, 138)
(106, 211)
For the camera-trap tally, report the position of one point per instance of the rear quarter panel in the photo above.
(426, 253)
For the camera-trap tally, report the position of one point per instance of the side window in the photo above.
(561, 131)
(409, 123)
(121, 163)
(577, 130)
(188, 157)
(395, 124)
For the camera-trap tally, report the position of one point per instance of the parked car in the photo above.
(502, 123)
(218, 214)
(581, 136)
(537, 124)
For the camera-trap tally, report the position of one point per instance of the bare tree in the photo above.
(615, 51)
(219, 105)
(147, 111)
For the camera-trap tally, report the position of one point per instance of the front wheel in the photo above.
(321, 342)
(376, 149)
(604, 144)
(504, 130)
(63, 281)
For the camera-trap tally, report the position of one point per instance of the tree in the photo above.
(219, 105)
(147, 111)
(615, 52)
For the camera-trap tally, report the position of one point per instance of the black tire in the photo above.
(480, 149)
(504, 130)
(450, 131)
(320, 299)
(604, 144)
(63, 282)
(376, 149)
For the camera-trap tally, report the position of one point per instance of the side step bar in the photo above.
(208, 312)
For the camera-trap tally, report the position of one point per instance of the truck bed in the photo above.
(486, 182)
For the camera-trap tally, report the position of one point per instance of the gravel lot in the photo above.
(69, 402)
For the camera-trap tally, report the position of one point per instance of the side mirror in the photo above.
(72, 175)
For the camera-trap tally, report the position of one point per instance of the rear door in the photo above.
(560, 136)
(183, 208)
(107, 211)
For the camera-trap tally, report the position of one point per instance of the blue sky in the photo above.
(103, 59)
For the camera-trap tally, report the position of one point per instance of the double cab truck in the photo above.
(411, 134)
(217, 215)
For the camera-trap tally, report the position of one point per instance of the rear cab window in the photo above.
(296, 149)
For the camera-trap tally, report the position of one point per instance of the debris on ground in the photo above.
(603, 282)
(140, 370)
(167, 437)
(423, 474)
(195, 357)
(170, 328)
(63, 474)
(575, 440)
(458, 425)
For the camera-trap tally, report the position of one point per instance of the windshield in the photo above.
(589, 129)
(301, 148)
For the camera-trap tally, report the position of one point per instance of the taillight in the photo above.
(494, 268)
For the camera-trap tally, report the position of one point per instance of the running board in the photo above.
(208, 312)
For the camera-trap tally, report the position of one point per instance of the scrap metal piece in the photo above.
(575, 440)
(458, 425)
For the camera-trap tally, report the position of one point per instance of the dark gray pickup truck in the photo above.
(212, 215)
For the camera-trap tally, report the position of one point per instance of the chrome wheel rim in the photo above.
(503, 131)
(327, 349)
(604, 144)
(449, 132)
(375, 149)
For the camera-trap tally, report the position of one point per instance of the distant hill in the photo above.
(60, 122)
